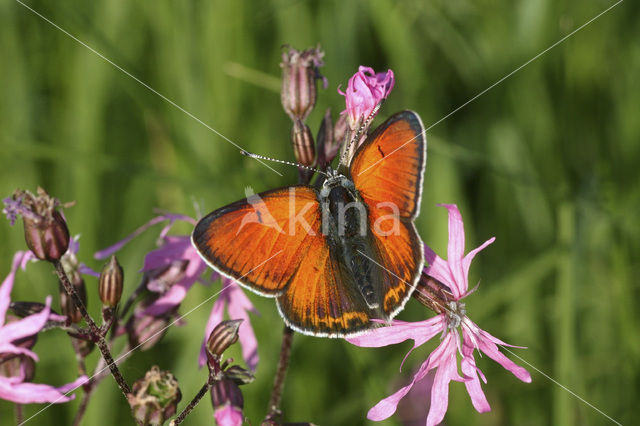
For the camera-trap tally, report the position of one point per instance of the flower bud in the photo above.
(239, 375)
(111, 282)
(24, 309)
(67, 305)
(303, 145)
(19, 366)
(145, 331)
(48, 239)
(223, 335)
(299, 74)
(155, 397)
(432, 294)
(227, 402)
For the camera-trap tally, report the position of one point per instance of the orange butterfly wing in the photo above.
(322, 299)
(254, 242)
(261, 240)
(389, 165)
(387, 171)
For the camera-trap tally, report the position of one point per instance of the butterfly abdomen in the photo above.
(345, 221)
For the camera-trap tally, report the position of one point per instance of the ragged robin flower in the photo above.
(17, 360)
(459, 335)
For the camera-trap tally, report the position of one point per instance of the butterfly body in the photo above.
(344, 220)
(337, 256)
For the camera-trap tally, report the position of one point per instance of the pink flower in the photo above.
(238, 307)
(172, 269)
(444, 359)
(15, 387)
(365, 91)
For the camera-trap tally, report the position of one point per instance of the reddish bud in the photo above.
(303, 145)
(45, 230)
(48, 239)
(299, 74)
(19, 366)
(67, 305)
(223, 335)
(111, 282)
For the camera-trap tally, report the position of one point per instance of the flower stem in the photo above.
(95, 331)
(196, 399)
(83, 407)
(281, 372)
(19, 413)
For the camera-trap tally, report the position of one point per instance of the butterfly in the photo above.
(335, 255)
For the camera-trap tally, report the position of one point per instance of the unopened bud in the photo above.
(299, 74)
(111, 282)
(432, 294)
(48, 239)
(239, 375)
(303, 145)
(17, 366)
(223, 335)
(67, 305)
(227, 402)
(145, 331)
(24, 309)
(155, 397)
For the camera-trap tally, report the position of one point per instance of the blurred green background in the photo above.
(547, 161)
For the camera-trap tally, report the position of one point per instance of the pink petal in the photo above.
(447, 371)
(229, 416)
(455, 248)
(8, 348)
(28, 393)
(103, 254)
(466, 262)
(7, 284)
(399, 331)
(27, 326)
(439, 269)
(215, 317)
(385, 408)
(487, 344)
(469, 369)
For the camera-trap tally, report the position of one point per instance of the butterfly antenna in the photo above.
(290, 163)
(365, 125)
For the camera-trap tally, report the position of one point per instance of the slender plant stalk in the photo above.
(281, 373)
(196, 399)
(83, 406)
(19, 413)
(95, 331)
(99, 373)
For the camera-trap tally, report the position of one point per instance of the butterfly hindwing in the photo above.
(389, 166)
(321, 297)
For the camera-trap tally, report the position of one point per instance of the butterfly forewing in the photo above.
(261, 240)
(389, 166)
